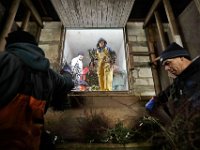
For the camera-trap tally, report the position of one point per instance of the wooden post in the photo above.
(152, 56)
(160, 30)
(34, 12)
(61, 45)
(150, 14)
(37, 36)
(25, 21)
(197, 2)
(130, 65)
(172, 22)
(9, 22)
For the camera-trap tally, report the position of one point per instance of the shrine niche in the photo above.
(85, 42)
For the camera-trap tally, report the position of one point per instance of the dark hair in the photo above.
(101, 39)
(20, 36)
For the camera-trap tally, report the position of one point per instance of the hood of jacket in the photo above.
(30, 54)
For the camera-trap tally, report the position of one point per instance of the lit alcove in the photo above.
(83, 40)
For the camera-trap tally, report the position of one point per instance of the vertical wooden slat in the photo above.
(110, 11)
(104, 9)
(115, 12)
(121, 12)
(98, 13)
(94, 12)
(160, 30)
(67, 10)
(88, 13)
(118, 8)
(61, 46)
(74, 13)
(82, 13)
(172, 22)
(129, 62)
(9, 22)
(37, 36)
(152, 56)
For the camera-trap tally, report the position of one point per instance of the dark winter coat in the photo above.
(27, 87)
(185, 88)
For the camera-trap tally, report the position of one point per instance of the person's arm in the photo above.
(62, 85)
(158, 100)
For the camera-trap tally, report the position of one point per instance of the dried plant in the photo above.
(93, 127)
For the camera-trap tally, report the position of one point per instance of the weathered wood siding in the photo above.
(93, 13)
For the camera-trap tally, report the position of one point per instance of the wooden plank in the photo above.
(108, 93)
(82, 13)
(121, 12)
(151, 12)
(67, 10)
(61, 12)
(140, 53)
(25, 20)
(77, 6)
(104, 9)
(74, 12)
(83, 7)
(94, 13)
(109, 13)
(8, 23)
(151, 41)
(129, 71)
(34, 12)
(98, 13)
(172, 22)
(88, 13)
(119, 8)
(126, 12)
(197, 2)
(115, 13)
(160, 30)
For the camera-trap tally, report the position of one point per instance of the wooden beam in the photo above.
(151, 41)
(160, 30)
(25, 21)
(140, 53)
(151, 12)
(172, 22)
(38, 33)
(108, 93)
(9, 22)
(197, 2)
(34, 12)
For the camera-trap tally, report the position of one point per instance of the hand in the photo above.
(150, 104)
(67, 69)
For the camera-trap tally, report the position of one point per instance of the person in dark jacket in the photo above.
(177, 108)
(27, 88)
(183, 95)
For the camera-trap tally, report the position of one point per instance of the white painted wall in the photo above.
(83, 40)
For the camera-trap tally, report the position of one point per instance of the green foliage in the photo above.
(119, 134)
(92, 79)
